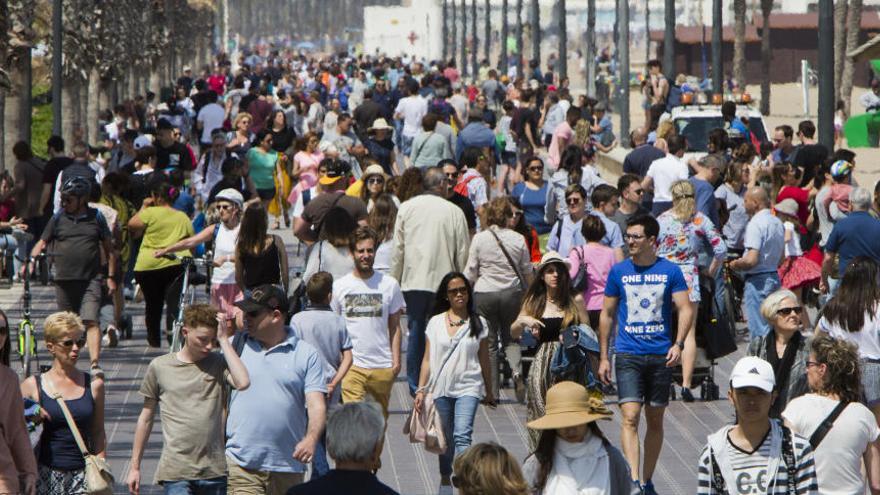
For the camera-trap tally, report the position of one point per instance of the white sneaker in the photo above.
(445, 490)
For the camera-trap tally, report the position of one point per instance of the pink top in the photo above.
(308, 172)
(16, 455)
(562, 131)
(599, 259)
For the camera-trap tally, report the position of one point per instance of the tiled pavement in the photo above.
(406, 468)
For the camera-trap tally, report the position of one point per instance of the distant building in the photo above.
(793, 37)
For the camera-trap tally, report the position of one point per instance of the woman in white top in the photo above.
(853, 315)
(224, 234)
(381, 219)
(455, 367)
(500, 268)
(833, 372)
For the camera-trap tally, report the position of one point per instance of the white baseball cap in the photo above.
(142, 141)
(752, 371)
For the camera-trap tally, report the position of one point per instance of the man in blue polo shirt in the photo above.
(274, 425)
(640, 293)
(856, 235)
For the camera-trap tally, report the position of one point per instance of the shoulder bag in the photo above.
(522, 281)
(99, 478)
(825, 426)
(426, 427)
(579, 281)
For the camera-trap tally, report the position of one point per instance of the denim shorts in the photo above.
(643, 378)
(871, 381)
(406, 144)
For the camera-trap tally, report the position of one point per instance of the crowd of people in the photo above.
(461, 226)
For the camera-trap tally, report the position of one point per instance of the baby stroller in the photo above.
(716, 337)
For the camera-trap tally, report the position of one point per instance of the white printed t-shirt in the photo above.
(366, 306)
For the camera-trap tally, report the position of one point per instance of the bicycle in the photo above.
(26, 341)
(187, 262)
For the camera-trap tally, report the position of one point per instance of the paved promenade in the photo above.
(406, 468)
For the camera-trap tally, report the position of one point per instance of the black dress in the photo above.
(261, 269)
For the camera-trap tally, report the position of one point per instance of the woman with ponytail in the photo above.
(161, 226)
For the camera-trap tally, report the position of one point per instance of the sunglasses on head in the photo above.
(81, 342)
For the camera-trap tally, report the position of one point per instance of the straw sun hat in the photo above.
(569, 404)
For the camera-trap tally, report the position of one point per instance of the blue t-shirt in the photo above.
(705, 199)
(644, 309)
(269, 418)
(185, 203)
(533, 203)
(765, 234)
(856, 235)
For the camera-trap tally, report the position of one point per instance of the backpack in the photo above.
(461, 187)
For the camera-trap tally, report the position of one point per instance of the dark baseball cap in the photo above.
(336, 169)
(266, 296)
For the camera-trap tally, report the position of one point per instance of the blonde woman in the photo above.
(683, 233)
(60, 463)
(239, 139)
(488, 468)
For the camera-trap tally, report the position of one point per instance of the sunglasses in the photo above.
(375, 180)
(69, 343)
(457, 290)
(572, 201)
(535, 169)
(790, 311)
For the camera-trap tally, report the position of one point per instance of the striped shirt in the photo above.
(750, 470)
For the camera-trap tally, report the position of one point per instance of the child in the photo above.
(189, 387)
(796, 271)
(324, 329)
(841, 171)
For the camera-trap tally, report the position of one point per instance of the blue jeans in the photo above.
(418, 309)
(457, 415)
(643, 378)
(320, 466)
(213, 486)
(757, 288)
(9, 244)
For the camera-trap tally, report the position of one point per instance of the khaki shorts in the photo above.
(242, 481)
(361, 382)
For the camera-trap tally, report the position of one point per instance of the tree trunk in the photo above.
(505, 33)
(82, 118)
(69, 99)
(453, 33)
(535, 18)
(647, 31)
(519, 39)
(853, 24)
(3, 129)
(463, 66)
(562, 64)
(739, 43)
(840, 10)
(12, 111)
(445, 28)
(475, 68)
(93, 106)
(590, 47)
(104, 94)
(487, 29)
(766, 9)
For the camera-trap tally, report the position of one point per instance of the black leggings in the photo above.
(161, 287)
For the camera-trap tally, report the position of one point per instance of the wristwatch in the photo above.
(680, 345)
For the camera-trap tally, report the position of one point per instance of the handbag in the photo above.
(426, 427)
(579, 281)
(522, 282)
(99, 478)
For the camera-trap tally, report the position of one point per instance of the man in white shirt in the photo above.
(871, 99)
(210, 117)
(411, 108)
(664, 171)
(371, 304)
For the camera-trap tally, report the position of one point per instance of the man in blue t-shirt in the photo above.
(854, 236)
(640, 293)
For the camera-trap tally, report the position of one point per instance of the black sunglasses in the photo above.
(789, 311)
(69, 343)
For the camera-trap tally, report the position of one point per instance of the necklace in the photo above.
(454, 323)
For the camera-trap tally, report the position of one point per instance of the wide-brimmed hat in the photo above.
(787, 206)
(569, 404)
(552, 257)
(374, 169)
(380, 124)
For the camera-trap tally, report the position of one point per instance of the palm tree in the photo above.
(519, 38)
(766, 55)
(853, 25)
(536, 30)
(563, 42)
(739, 42)
(505, 27)
(840, 9)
